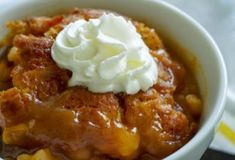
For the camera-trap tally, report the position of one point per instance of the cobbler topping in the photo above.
(105, 55)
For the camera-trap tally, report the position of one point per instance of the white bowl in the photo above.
(170, 21)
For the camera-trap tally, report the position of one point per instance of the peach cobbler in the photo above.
(93, 85)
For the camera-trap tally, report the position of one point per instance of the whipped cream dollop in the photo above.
(105, 55)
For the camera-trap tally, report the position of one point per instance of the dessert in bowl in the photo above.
(94, 85)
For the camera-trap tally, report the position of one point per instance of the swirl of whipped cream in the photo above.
(105, 55)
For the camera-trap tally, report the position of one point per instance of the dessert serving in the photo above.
(92, 84)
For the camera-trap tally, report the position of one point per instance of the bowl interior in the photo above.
(167, 20)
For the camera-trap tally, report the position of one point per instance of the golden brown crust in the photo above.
(162, 128)
(36, 71)
(13, 104)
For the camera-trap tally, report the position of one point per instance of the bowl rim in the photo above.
(215, 116)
